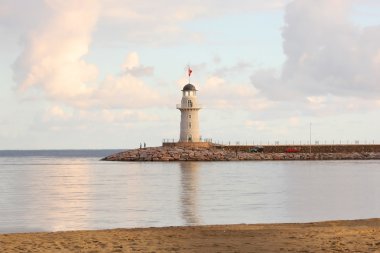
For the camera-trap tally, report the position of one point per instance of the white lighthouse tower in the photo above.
(189, 108)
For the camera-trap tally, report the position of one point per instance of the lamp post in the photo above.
(310, 138)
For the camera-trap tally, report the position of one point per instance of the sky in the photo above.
(108, 73)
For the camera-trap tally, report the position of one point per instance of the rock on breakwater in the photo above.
(215, 154)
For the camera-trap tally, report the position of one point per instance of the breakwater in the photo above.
(229, 153)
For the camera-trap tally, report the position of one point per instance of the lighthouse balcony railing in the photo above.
(195, 106)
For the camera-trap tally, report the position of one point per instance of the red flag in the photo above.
(189, 71)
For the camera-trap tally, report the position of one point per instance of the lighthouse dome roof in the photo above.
(188, 87)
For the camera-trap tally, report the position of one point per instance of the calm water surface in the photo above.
(71, 190)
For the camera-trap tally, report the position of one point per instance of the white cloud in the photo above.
(131, 61)
(132, 66)
(52, 58)
(325, 55)
(57, 113)
(224, 94)
(316, 102)
(125, 91)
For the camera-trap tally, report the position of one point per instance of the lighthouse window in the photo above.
(189, 103)
(189, 116)
(189, 124)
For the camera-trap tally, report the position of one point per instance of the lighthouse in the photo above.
(189, 107)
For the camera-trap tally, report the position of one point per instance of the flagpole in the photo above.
(188, 72)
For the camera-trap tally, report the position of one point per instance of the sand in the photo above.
(333, 236)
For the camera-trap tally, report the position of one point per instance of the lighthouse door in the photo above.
(190, 138)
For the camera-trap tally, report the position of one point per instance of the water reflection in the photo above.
(58, 195)
(189, 195)
(67, 197)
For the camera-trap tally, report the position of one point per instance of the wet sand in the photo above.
(332, 236)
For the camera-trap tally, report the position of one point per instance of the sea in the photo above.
(58, 190)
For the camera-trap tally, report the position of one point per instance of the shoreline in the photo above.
(178, 153)
(327, 236)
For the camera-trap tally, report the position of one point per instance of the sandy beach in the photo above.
(331, 236)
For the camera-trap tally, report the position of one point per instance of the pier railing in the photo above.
(290, 147)
(300, 142)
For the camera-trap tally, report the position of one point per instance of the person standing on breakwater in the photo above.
(144, 145)
(140, 145)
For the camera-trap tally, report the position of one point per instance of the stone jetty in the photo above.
(178, 153)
